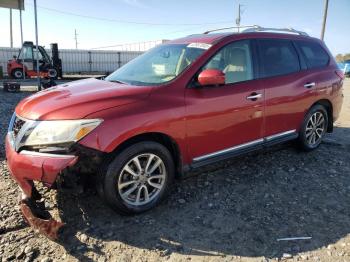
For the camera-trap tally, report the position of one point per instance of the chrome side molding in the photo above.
(247, 145)
(269, 138)
(228, 150)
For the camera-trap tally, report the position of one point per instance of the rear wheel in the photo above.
(138, 178)
(17, 73)
(314, 128)
(52, 73)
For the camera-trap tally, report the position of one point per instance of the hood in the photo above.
(77, 99)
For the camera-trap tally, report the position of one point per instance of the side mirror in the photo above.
(211, 77)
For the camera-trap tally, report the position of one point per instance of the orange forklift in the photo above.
(25, 64)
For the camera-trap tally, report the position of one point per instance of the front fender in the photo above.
(123, 123)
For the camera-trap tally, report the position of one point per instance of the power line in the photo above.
(127, 44)
(169, 33)
(126, 21)
(161, 35)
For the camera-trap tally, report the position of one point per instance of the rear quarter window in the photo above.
(314, 54)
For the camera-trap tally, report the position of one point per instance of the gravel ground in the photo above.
(232, 211)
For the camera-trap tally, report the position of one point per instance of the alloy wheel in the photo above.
(315, 128)
(142, 179)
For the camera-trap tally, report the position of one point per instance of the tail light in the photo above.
(340, 73)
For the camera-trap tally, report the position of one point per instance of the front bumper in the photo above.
(26, 167)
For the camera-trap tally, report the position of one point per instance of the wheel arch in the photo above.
(18, 67)
(160, 138)
(327, 104)
(15, 68)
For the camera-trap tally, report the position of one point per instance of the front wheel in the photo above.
(138, 178)
(314, 128)
(17, 73)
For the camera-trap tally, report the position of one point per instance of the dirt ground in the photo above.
(232, 211)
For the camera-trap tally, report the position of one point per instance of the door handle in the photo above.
(309, 85)
(254, 96)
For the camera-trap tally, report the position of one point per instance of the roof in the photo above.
(200, 38)
(257, 31)
(215, 37)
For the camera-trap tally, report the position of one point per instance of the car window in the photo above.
(315, 55)
(37, 55)
(158, 65)
(26, 53)
(235, 61)
(277, 57)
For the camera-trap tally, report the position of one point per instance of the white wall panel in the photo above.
(80, 61)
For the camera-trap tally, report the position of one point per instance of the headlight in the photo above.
(58, 132)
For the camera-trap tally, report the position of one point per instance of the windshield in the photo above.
(157, 66)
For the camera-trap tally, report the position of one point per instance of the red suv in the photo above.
(184, 104)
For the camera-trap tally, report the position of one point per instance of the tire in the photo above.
(52, 73)
(118, 173)
(17, 73)
(310, 135)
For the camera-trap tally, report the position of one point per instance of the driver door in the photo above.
(27, 57)
(224, 120)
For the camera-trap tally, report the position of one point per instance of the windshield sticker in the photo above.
(199, 45)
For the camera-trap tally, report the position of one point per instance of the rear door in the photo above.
(288, 88)
(318, 61)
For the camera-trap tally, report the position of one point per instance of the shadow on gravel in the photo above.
(240, 207)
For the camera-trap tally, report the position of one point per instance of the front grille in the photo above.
(17, 125)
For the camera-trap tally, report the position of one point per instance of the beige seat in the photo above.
(236, 69)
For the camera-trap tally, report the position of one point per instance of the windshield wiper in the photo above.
(118, 81)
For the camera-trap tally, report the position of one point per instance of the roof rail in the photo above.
(268, 29)
(257, 28)
(232, 27)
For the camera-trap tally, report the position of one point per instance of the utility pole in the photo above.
(325, 12)
(238, 19)
(11, 36)
(76, 38)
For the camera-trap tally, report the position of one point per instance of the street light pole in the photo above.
(325, 12)
(37, 45)
(11, 36)
(20, 21)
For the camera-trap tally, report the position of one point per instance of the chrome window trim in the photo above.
(245, 145)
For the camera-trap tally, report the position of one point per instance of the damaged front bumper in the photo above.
(26, 167)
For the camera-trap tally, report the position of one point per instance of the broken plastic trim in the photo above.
(40, 220)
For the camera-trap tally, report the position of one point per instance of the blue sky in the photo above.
(127, 21)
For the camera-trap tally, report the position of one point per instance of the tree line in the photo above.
(342, 57)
